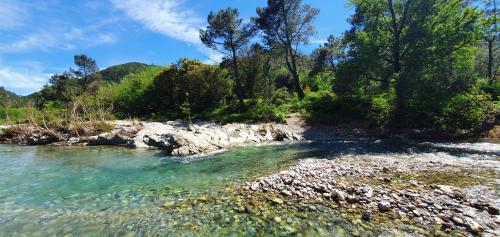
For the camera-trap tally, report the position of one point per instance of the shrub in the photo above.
(381, 110)
(322, 108)
(253, 111)
(327, 108)
(128, 97)
(470, 112)
(207, 86)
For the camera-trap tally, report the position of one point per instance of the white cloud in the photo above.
(105, 39)
(318, 41)
(12, 14)
(170, 18)
(23, 79)
(164, 16)
(63, 39)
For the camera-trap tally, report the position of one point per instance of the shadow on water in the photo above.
(334, 149)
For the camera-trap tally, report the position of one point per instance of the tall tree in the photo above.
(327, 55)
(417, 40)
(490, 34)
(287, 24)
(227, 34)
(86, 66)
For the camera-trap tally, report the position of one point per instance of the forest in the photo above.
(424, 64)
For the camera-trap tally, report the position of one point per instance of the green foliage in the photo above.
(470, 112)
(381, 109)
(130, 96)
(327, 108)
(252, 111)
(8, 98)
(118, 72)
(207, 86)
(322, 81)
(13, 115)
(286, 24)
(86, 66)
(186, 108)
(102, 127)
(227, 34)
(420, 63)
(327, 56)
(414, 50)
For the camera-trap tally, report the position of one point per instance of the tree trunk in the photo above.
(490, 61)
(239, 90)
(491, 44)
(292, 66)
(401, 93)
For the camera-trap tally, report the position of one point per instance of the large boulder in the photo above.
(43, 138)
(110, 139)
(163, 141)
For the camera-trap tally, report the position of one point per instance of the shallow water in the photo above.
(47, 191)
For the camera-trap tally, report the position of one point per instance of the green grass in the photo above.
(252, 111)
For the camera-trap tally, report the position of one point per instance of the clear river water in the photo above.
(102, 191)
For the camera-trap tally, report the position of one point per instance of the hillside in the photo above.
(7, 97)
(116, 73)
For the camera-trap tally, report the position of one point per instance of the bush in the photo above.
(15, 115)
(253, 111)
(129, 97)
(327, 108)
(469, 112)
(207, 86)
(381, 110)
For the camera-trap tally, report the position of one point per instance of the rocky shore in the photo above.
(175, 137)
(443, 193)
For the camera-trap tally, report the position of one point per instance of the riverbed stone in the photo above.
(384, 206)
(277, 201)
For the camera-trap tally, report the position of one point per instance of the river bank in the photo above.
(442, 187)
(176, 138)
(179, 138)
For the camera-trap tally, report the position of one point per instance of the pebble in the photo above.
(339, 195)
(384, 206)
(422, 205)
(457, 221)
(473, 226)
(438, 221)
(320, 208)
(255, 186)
(286, 193)
(366, 216)
(277, 200)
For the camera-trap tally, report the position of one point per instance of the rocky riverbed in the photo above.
(443, 187)
(175, 137)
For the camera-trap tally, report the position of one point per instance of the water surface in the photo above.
(47, 191)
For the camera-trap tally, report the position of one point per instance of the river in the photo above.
(102, 191)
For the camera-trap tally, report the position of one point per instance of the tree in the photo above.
(227, 34)
(416, 47)
(490, 34)
(287, 24)
(327, 55)
(86, 66)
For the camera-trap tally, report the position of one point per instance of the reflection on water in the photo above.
(105, 191)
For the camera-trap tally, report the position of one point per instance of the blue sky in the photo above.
(40, 37)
